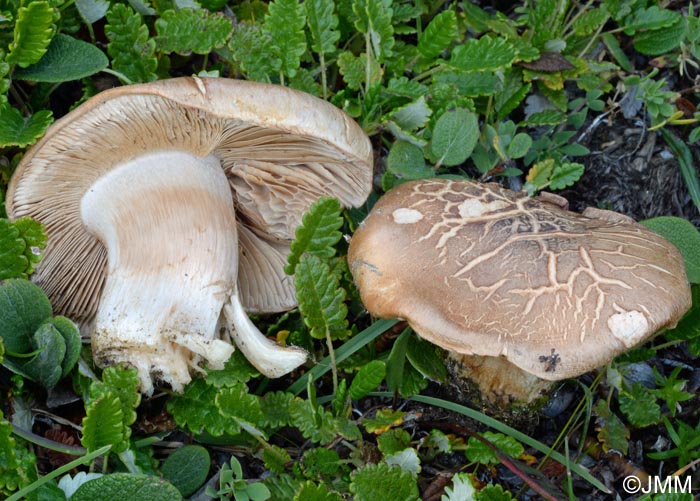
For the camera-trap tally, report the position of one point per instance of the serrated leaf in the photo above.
(285, 21)
(323, 25)
(102, 424)
(196, 411)
(321, 299)
(484, 54)
(320, 461)
(318, 232)
(590, 20)
(121, 486)
(16, 130)
(23, 309)
(406, 459)
(565, 174)
(236, 369)
(237, 405)
(66, 59)
(249, 47)
(478, 452)
(187, 468)
(652, 18)
(402, 86)
(374, 19)
(17, 464)
(276, 458)
(611, 432)
(438, 35)
(413, 115)
(454, 136)
(539, 173)
(185, 31)
(130, 46)
(123, 381)
(494, 492)
(406, 162)
(275, 408)
(683, 234)
(393, 441)
(661, 41)
(367, 379)
(308, 491)
(21, 244)
(353, 69)
(639, 406)
(315, 423)
(92, 10)
(461, 489)
(374, 481)
(34, 27)
(511, 94)
(383, 421)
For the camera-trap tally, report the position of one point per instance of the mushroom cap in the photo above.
(280, 148)
(479, 269)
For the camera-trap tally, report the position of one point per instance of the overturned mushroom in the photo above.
(170, 207)
(507, 279)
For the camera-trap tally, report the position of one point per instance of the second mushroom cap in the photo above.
(479, 269)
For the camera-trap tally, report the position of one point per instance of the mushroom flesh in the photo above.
(170, 208)
(514, 282)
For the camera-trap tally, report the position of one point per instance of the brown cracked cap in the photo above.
(280, 148)
(479, 269)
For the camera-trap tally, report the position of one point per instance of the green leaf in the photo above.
(478, 452)
(92, 10)
(71, 336)
(320, 461)
(685, 159)
(23, 309)
(406, 161)
(438, 35)
(393, 441)
(412, 116)
(34, 28)
(21, 244)
(323, 25)
(494, 492)
(684, 236)
(236, 369)
(374, 19)
(383, 420)
(652, 18)
(354, 68)
(285, 21)
(321, 299)
(66, 59)
(196, 411)
(315, 423)
(130, 46)
(187, 468)
(121, 486)
(425, 358)
(249, 47)
(565, 175)
(45, 367)
(312, 492)
(122, 381)
(397, 360)
(15, 130)
(367, 379)
(275, 406)
(590, 20)
(239, 406)
(484, 54)
(519, 145)
(454, 136)
(318, 232)
(102, 424)
(639, 406)
(374, 481)
(186, 31)
(17, 463)
(611, 432)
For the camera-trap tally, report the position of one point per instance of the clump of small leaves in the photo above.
(233, 485)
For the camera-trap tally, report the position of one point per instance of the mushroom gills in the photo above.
(168, 222)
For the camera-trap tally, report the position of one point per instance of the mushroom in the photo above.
(520, 289)
(170, 207)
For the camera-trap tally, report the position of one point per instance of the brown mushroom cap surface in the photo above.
(280, 148)
(479, 269)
